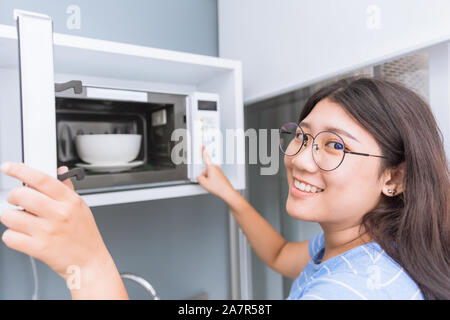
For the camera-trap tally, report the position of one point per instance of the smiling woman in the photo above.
(357, 164)
(400, 202)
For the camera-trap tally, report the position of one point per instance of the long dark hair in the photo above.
(416, 221)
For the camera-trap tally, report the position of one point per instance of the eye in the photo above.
(305, 142)
(298, 135)
(337, 145)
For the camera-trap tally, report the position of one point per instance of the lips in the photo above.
(306, 183)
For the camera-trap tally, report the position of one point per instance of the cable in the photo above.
(141, 281)
(35, 277)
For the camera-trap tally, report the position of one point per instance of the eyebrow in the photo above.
(337, 130)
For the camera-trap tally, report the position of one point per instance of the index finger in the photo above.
(206, 156)
(36, 179)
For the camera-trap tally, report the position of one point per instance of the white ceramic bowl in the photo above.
(111, 149)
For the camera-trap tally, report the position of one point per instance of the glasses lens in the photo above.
(291, 138)
(328, 150)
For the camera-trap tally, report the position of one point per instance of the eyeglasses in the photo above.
(328, 148)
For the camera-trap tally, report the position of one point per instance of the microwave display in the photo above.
(207, 105)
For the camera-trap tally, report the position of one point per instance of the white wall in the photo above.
(189, 26)
(439, 65)
(285, 45)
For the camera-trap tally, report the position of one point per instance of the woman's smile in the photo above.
(301, 189)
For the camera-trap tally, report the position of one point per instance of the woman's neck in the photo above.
(338, 241)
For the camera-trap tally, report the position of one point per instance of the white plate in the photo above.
(110, 167)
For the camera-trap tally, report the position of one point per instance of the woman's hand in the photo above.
(58, 228)
(214, 180)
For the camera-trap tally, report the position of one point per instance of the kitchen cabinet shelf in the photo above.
(100, 58)
(125, 66)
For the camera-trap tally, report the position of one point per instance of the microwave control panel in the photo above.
(204, 129)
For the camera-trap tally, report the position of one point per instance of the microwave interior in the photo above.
(155, 120)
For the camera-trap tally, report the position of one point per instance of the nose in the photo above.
(304, 160)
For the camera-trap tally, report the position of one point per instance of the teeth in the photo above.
(306, 187)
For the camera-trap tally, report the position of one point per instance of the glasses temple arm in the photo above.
(364, 154)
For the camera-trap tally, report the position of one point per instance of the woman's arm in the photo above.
(58, 228)
(287, 258)
(100, 279)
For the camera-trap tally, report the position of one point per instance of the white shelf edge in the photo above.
(128, 196)
(64, 40)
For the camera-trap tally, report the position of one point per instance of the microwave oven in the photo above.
(53, 115)
(82, 110)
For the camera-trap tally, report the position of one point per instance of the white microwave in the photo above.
(50, 124)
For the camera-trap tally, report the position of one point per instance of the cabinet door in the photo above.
(35, 34)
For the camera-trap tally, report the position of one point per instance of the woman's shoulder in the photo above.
(364, 272)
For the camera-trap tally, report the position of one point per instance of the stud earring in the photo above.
(391, 192)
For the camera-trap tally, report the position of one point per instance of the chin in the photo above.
(300, 211)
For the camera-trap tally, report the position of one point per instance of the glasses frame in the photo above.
(315, 144)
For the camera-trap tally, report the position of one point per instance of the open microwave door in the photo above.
(37, 91)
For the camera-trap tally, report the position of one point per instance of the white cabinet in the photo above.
(100, 63)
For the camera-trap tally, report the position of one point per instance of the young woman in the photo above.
(365, 160)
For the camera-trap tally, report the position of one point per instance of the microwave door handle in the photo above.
(79, 173)
(77, 86)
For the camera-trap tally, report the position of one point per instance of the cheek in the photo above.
(352, 193)
(287, 162)
(288, 166)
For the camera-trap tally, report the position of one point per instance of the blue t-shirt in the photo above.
(363, 272)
